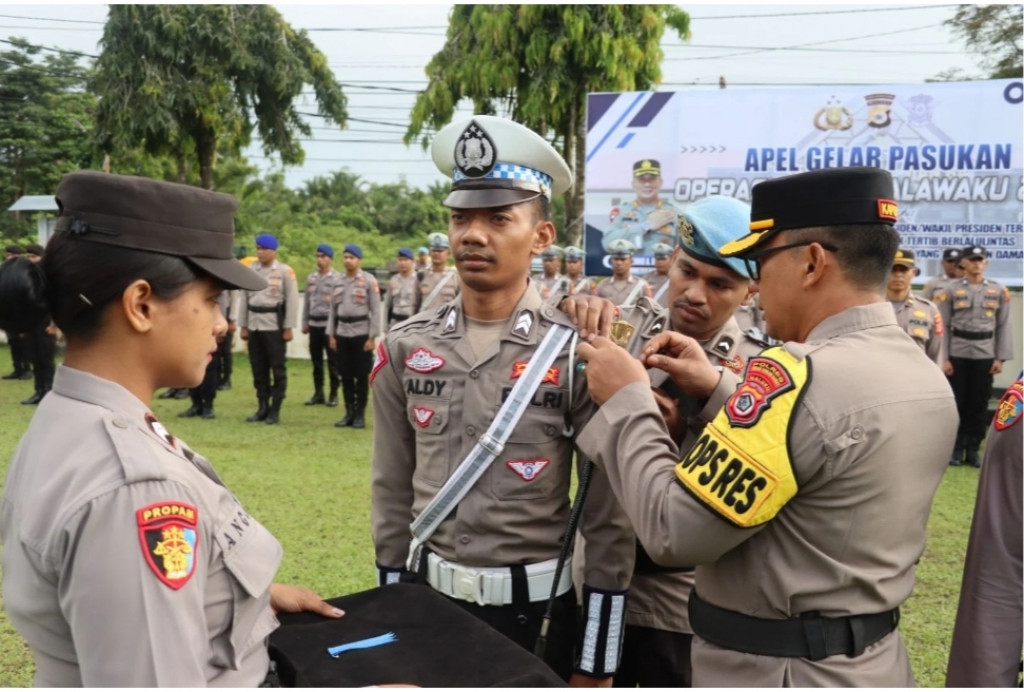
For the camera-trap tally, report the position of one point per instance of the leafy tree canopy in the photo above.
(994, 31)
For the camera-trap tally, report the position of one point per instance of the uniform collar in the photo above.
(852, 320)
(521, 326)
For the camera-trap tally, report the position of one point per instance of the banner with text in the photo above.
(953, 148)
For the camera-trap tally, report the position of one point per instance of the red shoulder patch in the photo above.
(765, 380)
(167, 532)
(1011, 407)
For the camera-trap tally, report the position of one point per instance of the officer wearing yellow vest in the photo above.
(804, 503)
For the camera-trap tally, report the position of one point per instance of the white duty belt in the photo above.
(490, 444)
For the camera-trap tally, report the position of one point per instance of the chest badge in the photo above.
(519, 367)
(423, 415)
(422, 360)
(528, 469)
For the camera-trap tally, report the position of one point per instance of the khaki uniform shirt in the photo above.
(281, 288)
(618, 291)
(933, 285)
(546, 287)
(630, 225)
(987, 635)
(83, 577)
(316, 306)
(447, 293)
(581, 284)
(659, 287)
(660, 600)
(846, 542)
(354, 298)
(433, 399)
(921, 320)
(975, 308)
(403, 298)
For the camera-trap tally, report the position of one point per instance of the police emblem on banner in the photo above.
(167, 533)
(879, 107)
(1010, 408)
(833, 116)
(475, 154)
(766, 379)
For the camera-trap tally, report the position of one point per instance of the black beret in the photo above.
(166, 218)
(437, 644)
(830, 197)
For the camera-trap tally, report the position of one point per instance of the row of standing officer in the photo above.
(34, 351)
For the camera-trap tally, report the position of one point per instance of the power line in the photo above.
(807, 14)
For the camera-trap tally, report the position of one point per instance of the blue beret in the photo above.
(711, 223)
(266, 240)
(405, 252)
(422, 250)
(353, 249)
(325, 249)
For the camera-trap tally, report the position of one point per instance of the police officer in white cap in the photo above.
(577, 281)
(489, 497)
(439, 283)
(551, 280)
(622, 288)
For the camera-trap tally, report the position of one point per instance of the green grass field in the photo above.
(308, 482)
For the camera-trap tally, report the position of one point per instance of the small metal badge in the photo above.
(621, 332)
(475, 153)
(523, 324)
(686, 231)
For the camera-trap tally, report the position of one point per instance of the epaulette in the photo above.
(420, 319)
(759, 337)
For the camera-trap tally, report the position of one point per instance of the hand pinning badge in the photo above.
(621, 332)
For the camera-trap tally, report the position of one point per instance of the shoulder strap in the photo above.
(631, 298)
(437, 288)
(490, 443)
(661, 291)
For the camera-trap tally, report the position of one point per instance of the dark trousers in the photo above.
(225, 358)
(21, 356)
(521, 624)
(266, 353)
(42, 348)
(207, 389)
(354, 365)
(654, 658)
(318, 348)
(972, 387)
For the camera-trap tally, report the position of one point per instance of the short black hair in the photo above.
(865, 251)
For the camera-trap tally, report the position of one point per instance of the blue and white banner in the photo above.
(954, 149)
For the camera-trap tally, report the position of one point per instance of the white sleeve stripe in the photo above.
(614, 641)
(592, 632)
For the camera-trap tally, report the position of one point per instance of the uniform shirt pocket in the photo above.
(252, 556)
(429, 417)
(529, 466)
(359, 295)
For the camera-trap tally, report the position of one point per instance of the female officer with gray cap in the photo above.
(126, 562)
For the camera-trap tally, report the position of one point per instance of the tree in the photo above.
(44, 120)
(188, 81)
(537, 63)
(995, 31)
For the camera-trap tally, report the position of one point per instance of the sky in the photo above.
(378, 53)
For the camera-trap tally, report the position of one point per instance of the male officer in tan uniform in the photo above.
(647, 220)
(704, 292)
(439, 283)
(576, 280)
(976, 312)
(951, 268)
(986, 646)
(316, 308)
(622, 288)
(551, 280)
(439, 380)
(804, 503)
(352, 329)
(657, 278)
(266, 319)
(403, 297)
(918, 317)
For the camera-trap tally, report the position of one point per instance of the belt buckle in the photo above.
(467, 584)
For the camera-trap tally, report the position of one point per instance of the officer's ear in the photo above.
(138, 302)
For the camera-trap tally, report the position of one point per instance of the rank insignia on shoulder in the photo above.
(449, 323)
(159, 430)
(380, 359)
(1010, 408)
(528, 469)
(523, 324)
(422, 360)
(167, 533)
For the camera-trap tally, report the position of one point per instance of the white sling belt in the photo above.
(661, 291)
(631, 298)
(490, 444)
(437, 288)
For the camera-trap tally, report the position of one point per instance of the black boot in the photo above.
(207, 410)
(16, 375)
(958, 452)
(359, 421)
(317, 398)
(972, 453)
(332, 400)
(274, 415)
(34, 399)
(224, 386)
(261, 413)
(346, 421)
(171, 393)
(181, 393)
(192, 411)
